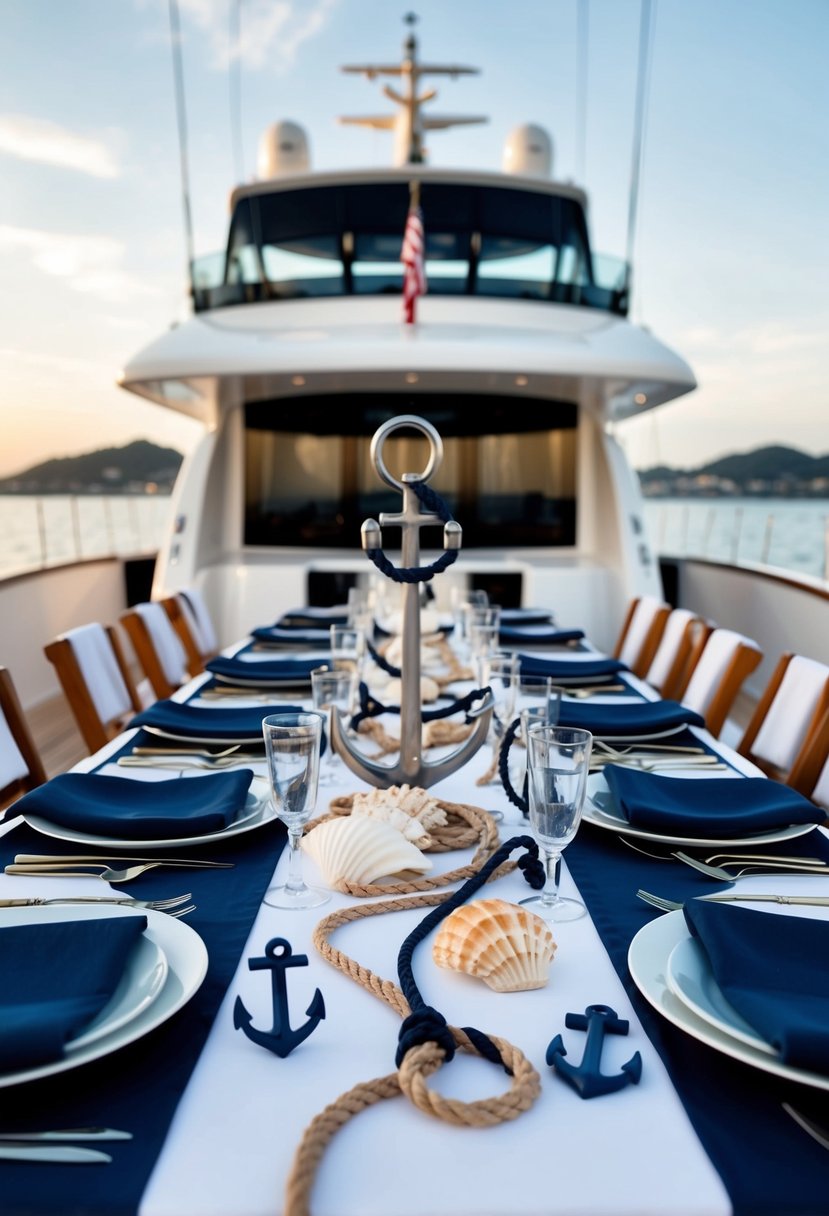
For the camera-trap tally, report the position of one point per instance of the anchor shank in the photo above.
(410, 710)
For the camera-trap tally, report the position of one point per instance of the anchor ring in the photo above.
(413, 422)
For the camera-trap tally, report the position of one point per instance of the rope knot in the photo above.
(533, 870)
(424, 1025)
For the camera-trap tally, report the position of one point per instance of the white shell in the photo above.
(410, 810)
(430, 656)
(429, 622)
(506, 946)
(360, 850)
(429, 690)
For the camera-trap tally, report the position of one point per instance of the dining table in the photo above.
(217, 1120)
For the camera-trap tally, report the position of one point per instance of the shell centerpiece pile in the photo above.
(507, 946)
(355, 849)
(407, 808)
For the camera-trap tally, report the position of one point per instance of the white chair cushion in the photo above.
(99, 667)
(198, 620)
(718, 653)
(12, 764)
(641, 622)
(663, 660)
(784, 726)
(168, 647)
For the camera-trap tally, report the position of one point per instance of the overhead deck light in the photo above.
(297, 381)
(412, 377)
(522, 381)
(640, 399)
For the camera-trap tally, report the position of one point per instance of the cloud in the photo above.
(88, 264)
(271, 31)
(37, 139)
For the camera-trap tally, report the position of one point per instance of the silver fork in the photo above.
(171, 905)
(186, 762)
(766, 865)
(85, 870)
(671, 905)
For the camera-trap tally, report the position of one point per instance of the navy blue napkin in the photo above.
(526, 616)
(269, 671)
(713, 807)
(275, 635)
(236, 723)
(645, 720)
(302, 618)
(569, 671)
(57, 977)
(534, 635)
(772, 969)
(140, 810)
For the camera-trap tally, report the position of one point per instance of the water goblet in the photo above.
(500, 672)
(558, 760)
(483, 642)
(348, 648)
(292, 747)
(331, 689)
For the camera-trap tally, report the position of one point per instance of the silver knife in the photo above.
(63, 1154)
(70, 1133)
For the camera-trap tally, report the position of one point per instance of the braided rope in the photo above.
(435, 734)
(418, 574)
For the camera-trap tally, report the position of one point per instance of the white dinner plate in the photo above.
(160, 733)
(186, 956)
(690, 978)
(264, 685)
(648, 957)
(142, 981)
(258, 810)
(604, 814)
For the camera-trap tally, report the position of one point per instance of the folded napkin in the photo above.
(526, 616)
(140, 810)
(236, 723)
(541, 635)
(716, 807)
(268, 671)
(57, 977)
(302, 618)
(569, 671)
(773, 971)
(276, 634)
(644, 721)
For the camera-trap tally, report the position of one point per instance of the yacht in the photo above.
(520, 353)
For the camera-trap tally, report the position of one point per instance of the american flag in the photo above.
(411, 255)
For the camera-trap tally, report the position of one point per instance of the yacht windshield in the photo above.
(508, 471)
(345, 240)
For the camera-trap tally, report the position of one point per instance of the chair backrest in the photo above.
(684, 635)
(21, 768)
(157, 647)
(641, 633)
(727, 659)
(189, 617)
(787, 716)
(811, 769)
(96, 681)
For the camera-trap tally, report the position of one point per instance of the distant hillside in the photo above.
(138, 468)
(766, 472)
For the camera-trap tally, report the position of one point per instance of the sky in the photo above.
(731, 252)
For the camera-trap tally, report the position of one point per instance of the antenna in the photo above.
(409, 123)
(643, 77)
(181, 114)
(582, 22)
(234, 86)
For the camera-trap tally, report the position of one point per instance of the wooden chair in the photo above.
(780, 738)
(641, 633)
(684, 636)
(726, 659)
(157, 647)
(189, 617)
(96, 681)
(811, 769)
(21, 768)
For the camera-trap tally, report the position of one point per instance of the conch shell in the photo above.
(506, 946)
(410, 810)
(359, 850)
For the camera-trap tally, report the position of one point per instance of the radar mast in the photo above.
(409, 122)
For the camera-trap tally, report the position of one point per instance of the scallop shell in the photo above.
(429, 690)
(360, 850)
(506, 946)
(409, 810)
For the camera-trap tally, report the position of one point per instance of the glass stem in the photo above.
(552, 864)
(294, 881)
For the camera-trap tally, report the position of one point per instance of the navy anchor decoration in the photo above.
(281, 1039)
(587, 1078)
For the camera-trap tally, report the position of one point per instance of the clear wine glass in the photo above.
(331, 689)
(558, 760)
(292, 747)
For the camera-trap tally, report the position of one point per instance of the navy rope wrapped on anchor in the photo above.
(419, 574)
(370, 707)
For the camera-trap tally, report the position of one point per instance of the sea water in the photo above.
(790, 534)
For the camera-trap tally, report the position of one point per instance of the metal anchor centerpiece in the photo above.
(411, 768)
(281, 1039)
(587, 1078)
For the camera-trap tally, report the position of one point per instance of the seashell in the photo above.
(429, 690)
(360, 850)
(429, 622)
(506, 946)
(409, 809)
(430, 655)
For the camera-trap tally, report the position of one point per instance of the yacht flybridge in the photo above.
(521, 355)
